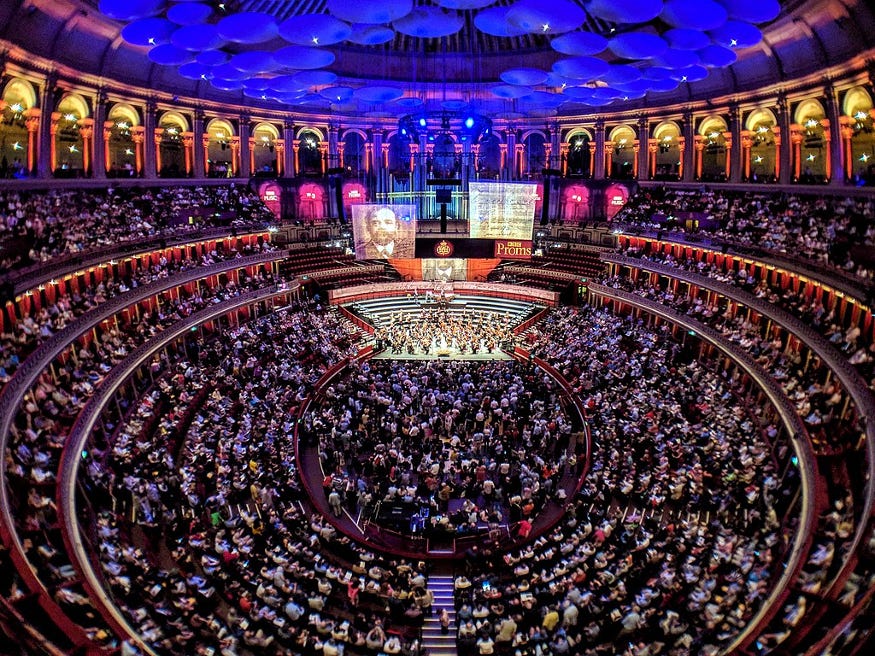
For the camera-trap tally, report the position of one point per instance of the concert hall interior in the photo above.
(437, 327)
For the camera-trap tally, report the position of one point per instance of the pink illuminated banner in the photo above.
(271, 195)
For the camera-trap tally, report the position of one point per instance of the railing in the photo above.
(531, 321)
(793, 424)
(851, 285)
(356, 319)
(523, 354)
(849, 377)
(81, 430)
(56, 267)
(387, 289)
(344, 271)
(542, 272)
(29, 371)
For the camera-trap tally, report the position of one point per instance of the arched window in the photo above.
(578, 157)
(353, 153)
(16, 146)
(309, 153)
(760, 126)
(399, 155)
(171, 149)
(576, 204)
(712, 150)
(444, 162)
(489, 163)
(535, 155)
(668, 151)
(69, 145)
(264, 137)
(858, 130)
(811, 151)
(623, 155)
(220, 154)
(121, 154)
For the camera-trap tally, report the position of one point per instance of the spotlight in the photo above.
(422, 122)
(469, 122)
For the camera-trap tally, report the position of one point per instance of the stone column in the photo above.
(333, 155)
(609, 158)
(785, 161)
(86, 131)
(198, 149)
(289, 152)
(150, 147)
(643, 148)
(735, 167)
(138, 136)
(689, 151)
(33, 126)
(98, 156)
(599, 155)
(158, 135)
(836, 170)
(48, 121)
(244, 162)
(510, 159)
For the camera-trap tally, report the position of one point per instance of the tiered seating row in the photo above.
(378, 311)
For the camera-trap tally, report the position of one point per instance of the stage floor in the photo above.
(449, 354)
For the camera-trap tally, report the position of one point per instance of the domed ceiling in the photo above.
(536, 57)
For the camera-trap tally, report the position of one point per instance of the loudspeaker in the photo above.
(443, 196)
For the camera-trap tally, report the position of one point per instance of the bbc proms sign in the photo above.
(513, 249)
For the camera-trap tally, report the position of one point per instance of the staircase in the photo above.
(433, 640)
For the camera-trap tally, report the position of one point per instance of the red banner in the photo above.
(513, 249)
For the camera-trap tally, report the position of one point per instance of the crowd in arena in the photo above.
(465, 446)
(40, 225)
(231, 554)
(820, 400)
(44, 321)
(432, 331)
(838, 230)
(246, 571)
(40, 428)
(807, 307)
(671, 546)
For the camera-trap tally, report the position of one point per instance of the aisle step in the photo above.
(433, 638)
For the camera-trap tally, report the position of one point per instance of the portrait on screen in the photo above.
(384, 231)
(501, 210)
(445, 270)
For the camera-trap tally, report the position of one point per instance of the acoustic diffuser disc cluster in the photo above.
(604, 50)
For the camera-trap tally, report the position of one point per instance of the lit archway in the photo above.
(311, 202)
(576, 204)
(18, 129)
(763, 156)
(858, 135)
(309, 157)
(621, 162)
(712, 158)
(123, 142)
(811, 161)
(221, 160)
(175, 146)
(71, 126)
(579, 154)
(353, 153)
(667, 164)
(263, 151)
